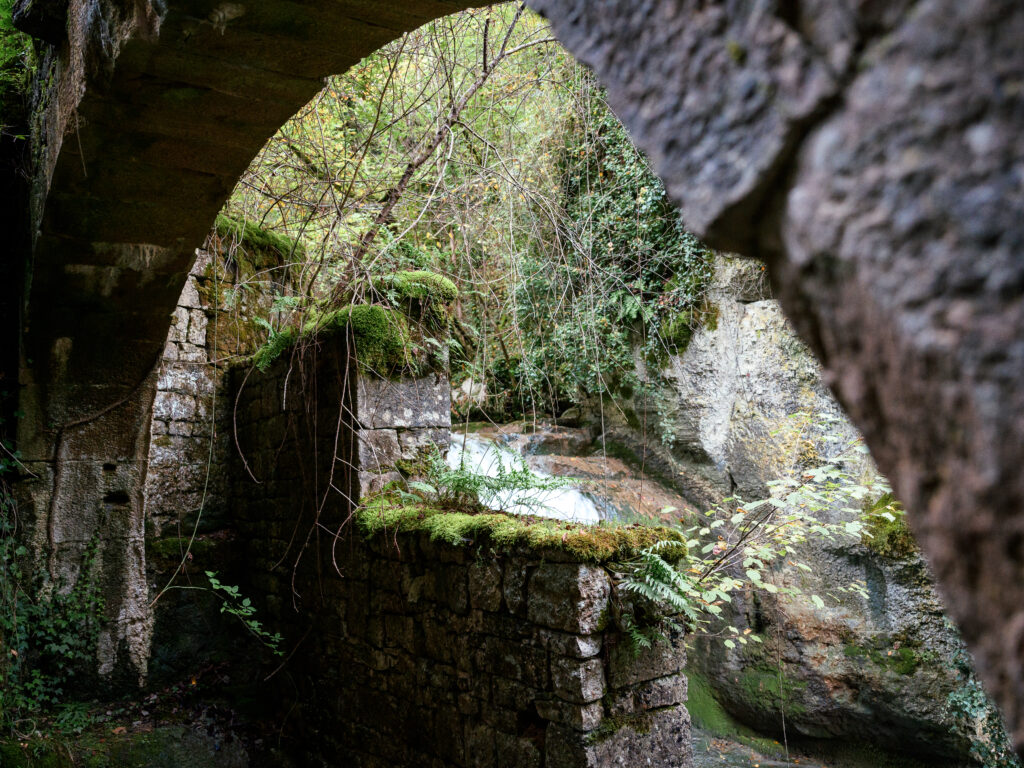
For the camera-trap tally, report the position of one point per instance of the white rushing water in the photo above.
(485, 457)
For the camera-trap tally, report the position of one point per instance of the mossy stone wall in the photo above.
(414, 650)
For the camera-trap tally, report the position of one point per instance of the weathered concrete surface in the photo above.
(872, 154)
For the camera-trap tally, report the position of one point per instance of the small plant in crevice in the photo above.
(235, 604)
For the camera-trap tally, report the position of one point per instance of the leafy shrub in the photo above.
(48, 634)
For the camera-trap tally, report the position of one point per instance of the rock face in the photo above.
(744, 404)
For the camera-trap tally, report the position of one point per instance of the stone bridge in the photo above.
(871, 153)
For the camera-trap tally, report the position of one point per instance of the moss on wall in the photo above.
(678, 331)
(708, 714)
(590, 543)
(418, 284)
(388, 341)
(381, 336)
(424, 296)
(258, 249)
(898, 653)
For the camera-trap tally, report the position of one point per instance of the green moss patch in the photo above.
(381, 336)
(887, 537)
(258, 249)
(418, 284)
(278, 343)
(678, 331)
(640, 722)
(708, 714)
(588, 543)
(897, 654)
(424, 296)
(764, 685)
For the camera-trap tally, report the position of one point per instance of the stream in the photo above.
(601, 487)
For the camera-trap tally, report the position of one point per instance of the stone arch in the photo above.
(871, 155)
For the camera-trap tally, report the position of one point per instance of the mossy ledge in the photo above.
(381, 336)
(424, 297)
(262, 248)
(388, 341)
(418, 284)
(602, 543)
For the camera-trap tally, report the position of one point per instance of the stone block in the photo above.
(659, 738)
(191, 353)
(371, 482)
(511, 694)
(565, 644)
(178, 331)
(626, 667)
(407, 403)
(479, 746)
(173, 406)
(513, 586)
(378, 450)
(415, 443)
(653, 694)
(579, 717)
(190, 295)
(516, 752)
(197, 323)
(181, 428)
(577, 681)
(571, 597)
(485, 585)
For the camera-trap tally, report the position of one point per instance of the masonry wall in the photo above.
(412, 652)
(186, 488)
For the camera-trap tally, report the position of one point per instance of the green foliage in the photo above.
(739, 546)
(424, 297)
(233, 603)
(513, 487)
(48, 633)
(278, 341)
(709, 715)
(15, 65)
(887, 532)
(628, 272)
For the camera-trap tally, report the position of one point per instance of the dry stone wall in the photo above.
(422, 652)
